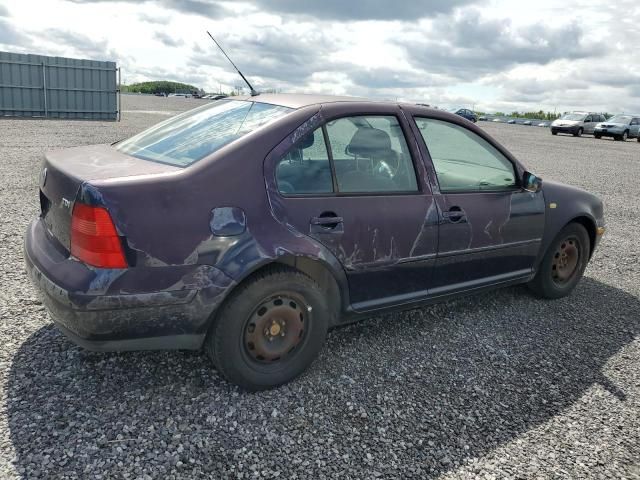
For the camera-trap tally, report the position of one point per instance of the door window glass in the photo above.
(463, 160)
(305, 169)
(370, 155)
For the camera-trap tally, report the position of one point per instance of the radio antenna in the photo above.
(251, 89)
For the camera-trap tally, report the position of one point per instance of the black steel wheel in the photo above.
(565, 260)
(275, 328)
(563, 264)
(270, 329)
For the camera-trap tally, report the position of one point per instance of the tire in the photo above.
(624, 136)
(638, 137)
(557, 276)
(598, 136)
(578, 133)
(269, 330)
(553, 133)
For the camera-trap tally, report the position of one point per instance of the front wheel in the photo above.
(563, 264)
(624, 136)
(270, 330)
(578, 133)
(597, 135)
(553, 132)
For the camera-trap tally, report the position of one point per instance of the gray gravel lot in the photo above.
(495, 386)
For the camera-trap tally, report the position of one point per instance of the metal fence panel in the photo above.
(58, 87)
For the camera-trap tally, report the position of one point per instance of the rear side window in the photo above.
(189, 137)
(463, 160)
(370, 155)
(305, 169)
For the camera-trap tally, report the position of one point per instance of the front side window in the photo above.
(463, 160)
(305, 169)
(191, 136)
(370, 155)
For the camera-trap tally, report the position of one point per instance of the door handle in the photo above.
(326, 222)
(454, 215)
(329, 222)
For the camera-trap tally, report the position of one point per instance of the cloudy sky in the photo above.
(491, 54)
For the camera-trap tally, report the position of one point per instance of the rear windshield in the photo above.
(193, 135)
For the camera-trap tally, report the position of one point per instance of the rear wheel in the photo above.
(269, 331)
(563, 264)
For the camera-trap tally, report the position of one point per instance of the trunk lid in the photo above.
(64, 172)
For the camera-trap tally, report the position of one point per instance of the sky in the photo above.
(490, 55)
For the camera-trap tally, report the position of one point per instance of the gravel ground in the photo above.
(494, 386)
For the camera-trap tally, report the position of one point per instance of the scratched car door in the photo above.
(491, 229)
(355, 188)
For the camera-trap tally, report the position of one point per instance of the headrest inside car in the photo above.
(369, 142)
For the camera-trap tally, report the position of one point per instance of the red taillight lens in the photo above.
(94, 239)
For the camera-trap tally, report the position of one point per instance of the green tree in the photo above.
(161, 86)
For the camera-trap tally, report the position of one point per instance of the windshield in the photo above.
(193, 135)
(620, 119)
(573, 116)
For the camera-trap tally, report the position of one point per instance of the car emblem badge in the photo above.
(66, 203)
(43, 176)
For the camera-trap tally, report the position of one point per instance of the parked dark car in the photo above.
(465, 113)
(250, 226)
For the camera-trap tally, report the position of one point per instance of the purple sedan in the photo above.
(249, 226)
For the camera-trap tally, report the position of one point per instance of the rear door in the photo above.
(355, 184)
(490, 229)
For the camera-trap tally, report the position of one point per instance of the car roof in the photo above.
(298, 100)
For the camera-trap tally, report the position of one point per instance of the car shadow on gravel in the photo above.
(407, 395)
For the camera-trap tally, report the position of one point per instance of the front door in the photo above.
(490, 228)
(353, 184)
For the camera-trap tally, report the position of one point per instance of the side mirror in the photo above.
(531, 183)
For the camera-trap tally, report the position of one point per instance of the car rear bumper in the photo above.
(94, 311)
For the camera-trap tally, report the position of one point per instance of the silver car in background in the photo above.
(620, 127)
(576, 123)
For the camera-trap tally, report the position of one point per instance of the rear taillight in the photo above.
(94, 239)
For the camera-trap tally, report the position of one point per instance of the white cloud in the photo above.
(495, 55)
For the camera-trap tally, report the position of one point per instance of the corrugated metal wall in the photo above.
(57, 87)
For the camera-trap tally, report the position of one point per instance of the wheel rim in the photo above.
(624, 136)
(276, 328)
(565, 261)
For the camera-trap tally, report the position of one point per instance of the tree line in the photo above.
(539, 115)
(162, 86)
